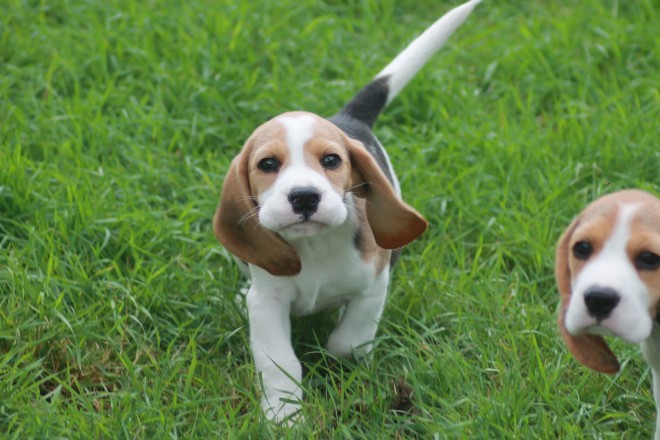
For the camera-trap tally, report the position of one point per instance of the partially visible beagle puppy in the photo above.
(608, 274)
(312, 210)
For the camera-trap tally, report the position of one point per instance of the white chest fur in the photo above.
(333, 271)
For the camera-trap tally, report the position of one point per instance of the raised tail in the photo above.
(372, 99)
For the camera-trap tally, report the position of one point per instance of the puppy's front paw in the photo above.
(347, 346)
(282, 409)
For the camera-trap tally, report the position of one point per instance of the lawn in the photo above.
(118, 120)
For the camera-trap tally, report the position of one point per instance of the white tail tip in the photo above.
(404, 67)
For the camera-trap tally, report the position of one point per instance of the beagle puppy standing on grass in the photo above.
(608, 273)
(312, 209)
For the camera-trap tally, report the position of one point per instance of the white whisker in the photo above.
(357, 186)
(250, 214)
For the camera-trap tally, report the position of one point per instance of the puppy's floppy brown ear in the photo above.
(393, 222)
(237, 226)
(591, 350)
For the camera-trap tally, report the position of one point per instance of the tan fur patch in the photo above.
(328, 139)
(646, 238)
(594, 227)
(267, 141)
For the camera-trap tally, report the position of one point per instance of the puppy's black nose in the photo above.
(305, 201)
(600, 301)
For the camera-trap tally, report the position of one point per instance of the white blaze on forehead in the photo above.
(298, 130)
(621, 234)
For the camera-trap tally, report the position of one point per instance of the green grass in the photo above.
(118, 120)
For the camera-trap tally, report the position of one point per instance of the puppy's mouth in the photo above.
(604, 328)
(598, 329)
(303, 228)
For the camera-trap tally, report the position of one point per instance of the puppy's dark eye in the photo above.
(647, 261)
(582, 250)
(269, 165)
(331, 161)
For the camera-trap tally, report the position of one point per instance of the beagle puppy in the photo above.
(608, 274)
(312, 211)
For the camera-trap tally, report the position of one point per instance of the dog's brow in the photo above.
(621, 233)
(298, 130)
